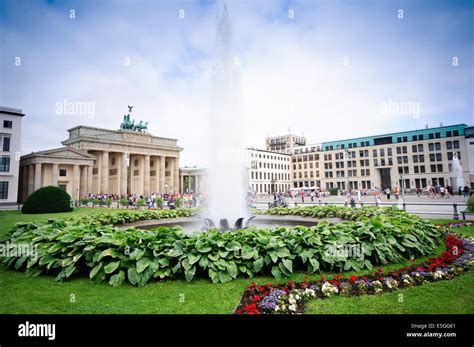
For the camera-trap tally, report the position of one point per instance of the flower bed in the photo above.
(291, 297)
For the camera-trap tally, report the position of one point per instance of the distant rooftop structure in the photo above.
(284, 143)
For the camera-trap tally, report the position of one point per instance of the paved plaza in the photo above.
(423, 206)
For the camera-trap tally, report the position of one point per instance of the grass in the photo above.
(22, 294)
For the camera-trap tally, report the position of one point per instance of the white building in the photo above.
(10, 150)
(269, 171)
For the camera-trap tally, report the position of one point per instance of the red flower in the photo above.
(306, 277)
(379, 270)
(256, 298)
(364, 278)
(352, 278)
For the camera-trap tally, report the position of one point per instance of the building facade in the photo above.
(99, 160)
(10, 150)
(193, 180)
(268, 171)
(408, 160)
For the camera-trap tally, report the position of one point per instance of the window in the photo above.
(421, 158)
(449, 145)
(431, 136)
(456, 133)
(415, 159)
(437, 146)
(414, 148)
(6, 144)
(382, 152)
(431, 146)
(389, 151)
(449, 134)
(63, 187)
(7, 124)
(456, 144)
(4, 164)
(62, 172)
(3, 190)
(438, 157)
(420, 147)
(399, 150)
(437, 135)
(432, 157)
(440, 167)
(374, 152)
(399, 160)
(404, 149)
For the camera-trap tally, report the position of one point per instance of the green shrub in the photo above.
(470, 204)
(48, 200)
(95, 202)
(123, 202)
(68, 247)
(140, 202)
(108, 202)
(178, 202)
(159, 202)
(84, 201)
(333, 191)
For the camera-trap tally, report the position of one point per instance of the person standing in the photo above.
(387, 193)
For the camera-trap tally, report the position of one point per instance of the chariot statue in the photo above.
(129, 124)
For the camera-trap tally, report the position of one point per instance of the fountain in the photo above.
(457, 180)
(226, 174)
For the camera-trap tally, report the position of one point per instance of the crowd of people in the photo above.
(353, 196)
(154, 201)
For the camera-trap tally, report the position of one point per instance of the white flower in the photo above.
(438, 275)
(277, 308)
(291, 301)
(292, 307)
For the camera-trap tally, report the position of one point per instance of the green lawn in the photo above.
(22, 294)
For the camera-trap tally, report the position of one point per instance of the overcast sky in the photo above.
(328, 69)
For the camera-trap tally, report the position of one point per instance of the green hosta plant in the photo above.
(117, 255)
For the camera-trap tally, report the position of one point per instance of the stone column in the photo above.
(196, 185)
(171, 167)
(162, 178)
(175, 174)
(24, 183)
(89, 179)
(146, 175)
(55, 175)
(157, 175)
(31, 179)
(37, 176)
(75, 183)
(104, 175)
(123, 174)
(181, 185)
(83, 183)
